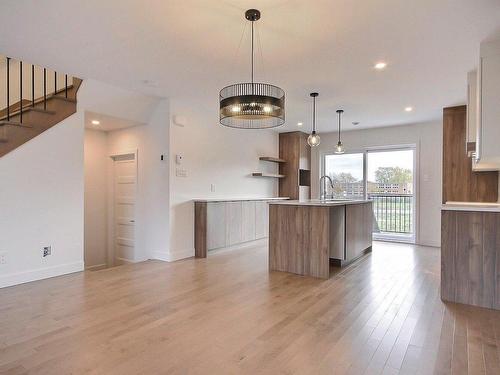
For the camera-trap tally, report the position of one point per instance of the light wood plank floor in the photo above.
(228, 315)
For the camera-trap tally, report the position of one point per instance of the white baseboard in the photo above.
(172, 257)
(39, 274)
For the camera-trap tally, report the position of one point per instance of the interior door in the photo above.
(124, 191)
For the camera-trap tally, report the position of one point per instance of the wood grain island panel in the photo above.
(303, 236)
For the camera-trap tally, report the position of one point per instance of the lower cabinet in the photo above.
(224, 224)
(261, 220)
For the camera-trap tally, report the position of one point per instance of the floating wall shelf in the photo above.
(260, 174)
(272, 159)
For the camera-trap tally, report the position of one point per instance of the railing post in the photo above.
(21, 92)
(45, 88)
(66, 86)
(32, 85)
(55, 83)
(8, 88)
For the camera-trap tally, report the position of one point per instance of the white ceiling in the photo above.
(108, 123)
(187, 49)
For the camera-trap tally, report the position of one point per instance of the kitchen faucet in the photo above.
(322, 186)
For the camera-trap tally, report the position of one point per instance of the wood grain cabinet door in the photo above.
(248, 221)
(216, 225)
(261, 220)
(234, 223)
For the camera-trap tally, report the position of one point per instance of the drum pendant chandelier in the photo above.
(252, 105)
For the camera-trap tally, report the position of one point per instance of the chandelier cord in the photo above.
(252, 55)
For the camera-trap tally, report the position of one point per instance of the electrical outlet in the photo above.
(47, 250)
(3, 258)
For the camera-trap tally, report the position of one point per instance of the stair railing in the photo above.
(34, 100)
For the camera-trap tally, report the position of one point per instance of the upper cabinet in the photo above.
(488, 108)
(470, 141)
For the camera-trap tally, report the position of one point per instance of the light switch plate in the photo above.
(212, 188)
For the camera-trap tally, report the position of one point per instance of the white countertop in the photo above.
(471, 206)
(207, 200)
(317, 202)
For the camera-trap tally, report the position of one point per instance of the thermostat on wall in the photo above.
(178, 159)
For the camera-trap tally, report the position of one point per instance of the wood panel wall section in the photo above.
(294, 149)
(200, 229)
(460, 183)
(470, 258)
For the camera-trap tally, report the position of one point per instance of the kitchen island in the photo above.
(306, 236)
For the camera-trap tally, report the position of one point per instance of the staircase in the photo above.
(35, 100)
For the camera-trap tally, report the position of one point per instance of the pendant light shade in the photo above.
(252, 105)
(314, 139)
(339, 148)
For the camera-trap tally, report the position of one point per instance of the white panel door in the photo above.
(124, 191)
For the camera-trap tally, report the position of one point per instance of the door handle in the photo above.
(132, 221)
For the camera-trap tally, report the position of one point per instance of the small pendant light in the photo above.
(339, 148)
(314, 140)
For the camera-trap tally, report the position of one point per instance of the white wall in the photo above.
(212, 154)
(428, 139)
(41, 204)
(96, 190)
(152, 204)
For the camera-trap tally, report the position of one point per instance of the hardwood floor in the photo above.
(227, 314)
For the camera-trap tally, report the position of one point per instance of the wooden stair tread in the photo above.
(39, 110)
(63, 98)
(10, 123)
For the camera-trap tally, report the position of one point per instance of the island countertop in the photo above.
(208, 200)
(320, 203)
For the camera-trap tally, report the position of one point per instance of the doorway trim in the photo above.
(111, 206)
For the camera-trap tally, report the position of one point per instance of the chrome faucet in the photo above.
(322, 186)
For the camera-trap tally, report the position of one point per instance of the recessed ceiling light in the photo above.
(300, 124)
(408, 109)
(95, 122)
(380, 65)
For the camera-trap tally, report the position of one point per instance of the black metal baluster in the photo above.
(8, 88)
(45, 88)
(385, 211)
(55, 83)
(66, 86)
(32, 85)
(21, 92)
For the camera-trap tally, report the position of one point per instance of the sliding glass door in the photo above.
(390, 184)
(384, 175)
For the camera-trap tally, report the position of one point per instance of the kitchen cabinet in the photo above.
(222, 224)
(293, 148)
(261, 220)
(470, 141)
(216, 225)
(488, 109)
